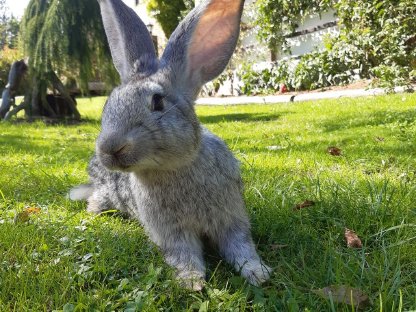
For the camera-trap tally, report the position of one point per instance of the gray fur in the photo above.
(176, 56)
(128, 38)
(177, 178)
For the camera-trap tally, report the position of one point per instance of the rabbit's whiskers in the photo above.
(173, 106)
(154, 159)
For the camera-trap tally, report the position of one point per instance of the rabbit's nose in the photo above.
(115, 157)
(110, 145)
(120, 151)
(114, 151)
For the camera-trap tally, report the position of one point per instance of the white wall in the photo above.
(309, 42)
(299, 45)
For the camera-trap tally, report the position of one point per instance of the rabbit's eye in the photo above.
(157, 102)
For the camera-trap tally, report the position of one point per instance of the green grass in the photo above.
(66, 259)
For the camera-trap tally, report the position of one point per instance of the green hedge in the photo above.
(377, 40)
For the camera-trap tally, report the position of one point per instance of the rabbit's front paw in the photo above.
(191, 280)
(255, 272)
(94, 206)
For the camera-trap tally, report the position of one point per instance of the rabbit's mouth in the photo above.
(117, 158)
(114, 163)
(125, 161)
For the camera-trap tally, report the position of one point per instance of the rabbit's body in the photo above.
(153, 159)
(200, 202)
(182, 206)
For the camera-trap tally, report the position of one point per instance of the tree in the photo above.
(63, 39)
(169, 13)
(9, 28)
(3, 15)
(3, 22)
(12, 32)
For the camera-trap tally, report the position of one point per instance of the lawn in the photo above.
(55, 256)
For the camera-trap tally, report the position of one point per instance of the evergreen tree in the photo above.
(63, 39)
(3, 22)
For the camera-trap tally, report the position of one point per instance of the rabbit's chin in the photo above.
(141, 165)
(115, 164)
(121, 168)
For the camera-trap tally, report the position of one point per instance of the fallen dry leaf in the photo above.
(353, 241)
(380, 139)
(33, 210)
(278, 246)
(344, 294)
(334, 151)
(305, 204)
(24, 215)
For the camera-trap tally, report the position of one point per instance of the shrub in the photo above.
(266, 80)
(376, 40)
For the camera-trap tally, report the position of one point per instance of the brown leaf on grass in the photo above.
(33, 210)
(24, 215)
(307, 203)
(344, 294)
(278, 246)
(380, 139)
(353, 241)
(334, 151)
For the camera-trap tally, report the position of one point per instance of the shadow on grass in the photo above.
(32, 146)
(376, 159)
(55, 121)
(373, 119)
(246, 117)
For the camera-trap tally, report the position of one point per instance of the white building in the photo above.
(306, 38)
(309, 36)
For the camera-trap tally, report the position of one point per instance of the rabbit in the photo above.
(154, 161)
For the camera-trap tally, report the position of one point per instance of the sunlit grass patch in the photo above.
(63, 257)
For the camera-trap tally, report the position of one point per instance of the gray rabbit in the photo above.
(154, 161)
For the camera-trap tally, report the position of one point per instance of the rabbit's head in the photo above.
(149, 121)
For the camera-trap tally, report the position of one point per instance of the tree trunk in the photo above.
(35, 108)
(58, 85)
(37, 102)
(46, 108)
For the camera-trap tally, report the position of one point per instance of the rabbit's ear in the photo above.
(130, 42)
(201, 46)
